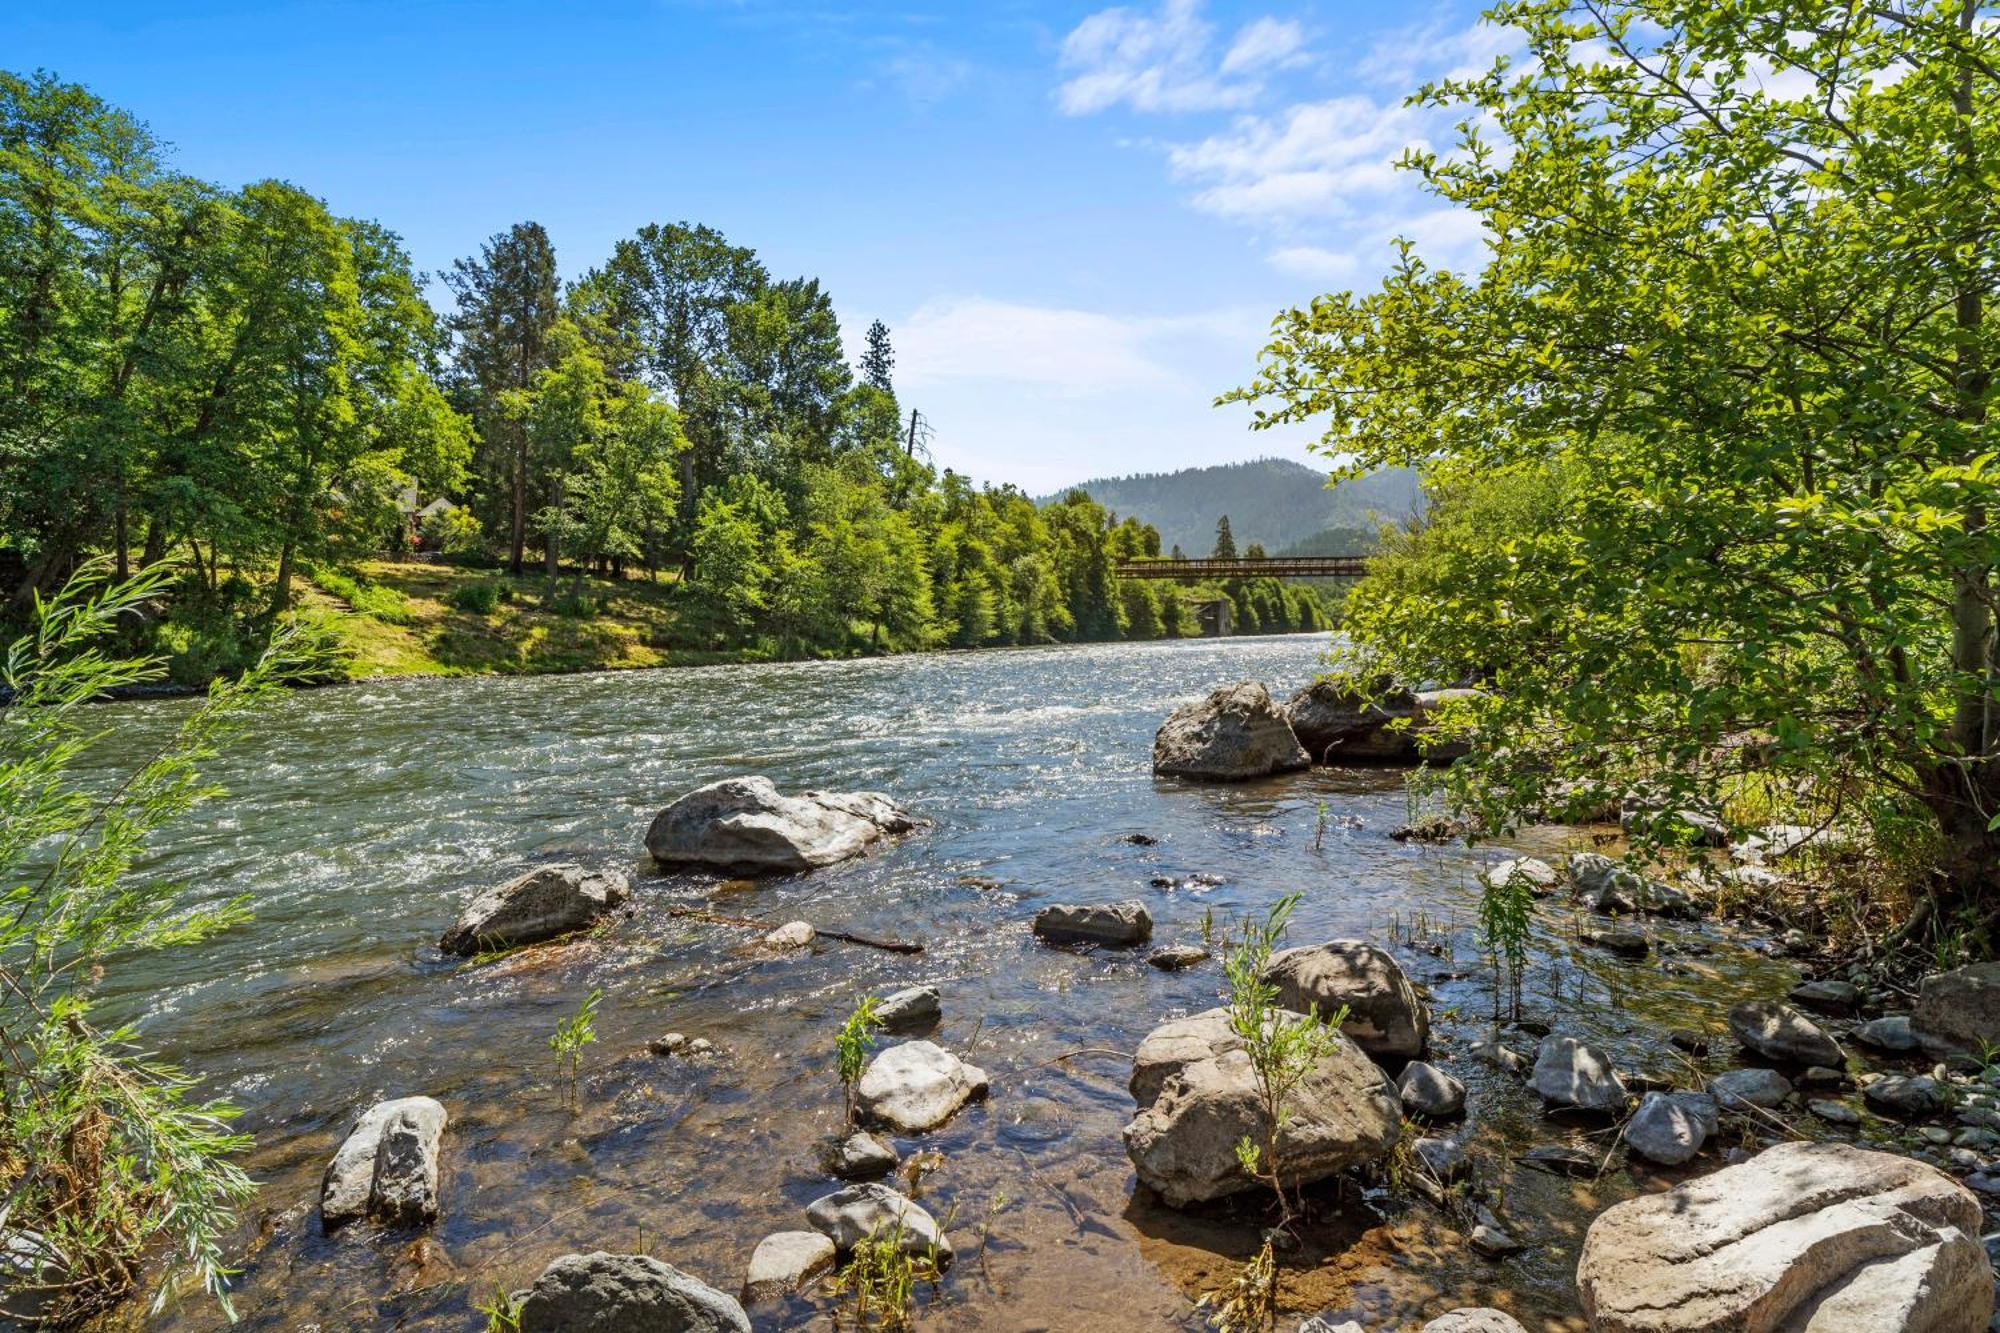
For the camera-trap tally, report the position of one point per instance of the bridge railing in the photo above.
(1271, 567)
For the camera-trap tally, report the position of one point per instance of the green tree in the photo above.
(1225, 542)
(1747, 319)
(879, 359)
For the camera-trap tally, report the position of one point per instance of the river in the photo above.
(360, 820)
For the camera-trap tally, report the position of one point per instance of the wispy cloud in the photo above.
(1169, 60)
(1315, 262)
(1070, 351)
(1313, 159)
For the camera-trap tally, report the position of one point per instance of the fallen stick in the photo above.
(748, 923)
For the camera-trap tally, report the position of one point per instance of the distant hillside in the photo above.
(1273, 501)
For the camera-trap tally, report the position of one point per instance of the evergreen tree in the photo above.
(879, 359)
(1225, 543)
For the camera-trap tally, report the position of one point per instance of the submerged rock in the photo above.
(1779, 1032)
(387, 1167)
(849, 1216)
(785, 1261)
(1177, 957)
(746, 826)
(1233, 735)
(916, 1086)
(1484, 1319)
(1197, 1099)
(1384, 1016)
(860, 1157)
(542, 904)
(1958, 1012)
(790, 937)
(625, 1293)
(1819, 1236)
(1121, 923)
(1571, 1075)
(913, 1007)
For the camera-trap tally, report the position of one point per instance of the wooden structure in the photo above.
(1274, 567)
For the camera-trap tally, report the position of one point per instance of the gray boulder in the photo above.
(1958, 1012)
(625, 1293)
(746, 826)
(1119, 923)
(1781, 1033)
(1615, 889)
(1911, 1098)
(1484, 1319)
(916, 1086)
(1233, 735)
(1670, 1128)
(1806, 1237)
(1891, 1032)
(914, 1007)
(1538, 877)
(1737, 1089)
(1570, 1075)
(860, 1157)
(785, 1261)
(1827, 994)
(1197, 1099)
(1429, 1092)
(387, 1167)
(1384, 1016)
(542, 904)
(1178, 957)
(849, 1216)
(1336, 723)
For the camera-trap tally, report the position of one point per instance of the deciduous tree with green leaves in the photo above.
(1736, 285)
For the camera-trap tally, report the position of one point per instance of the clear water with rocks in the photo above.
(360, 820)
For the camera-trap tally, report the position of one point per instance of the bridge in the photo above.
(1273, 567)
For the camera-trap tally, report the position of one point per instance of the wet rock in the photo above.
(1430, 1092)
(1233, 735)
(1141, 839)
(914, 1007)
(1177, 957)
(672, 1043)
(1539, 877)
(1335, 722)
(1120, 923)
(1560, 1161)
(1501, 1057)
(1778, 1032)
(1834, 1113)
(1958, 1012)
(1197, 1099)
(1615, 889)
(1827, 995)
(1443, 1157)
(1384, 1016)
(1624, 943)
(1484, 1319)
(1490, 1236)
(625, 1293)
(1910, 1098)
(1570, 1075)
(848, 1217)
(791, 936)
(1670, 1128)
(1740, 1088)
(1820, 1076)
(785, 1261)
(542, 904)
(387, 1167)
(1323, 1323)
(1805, 1235)
(860, 1157)
(1694, 1043)
(1889, 1033)
(916, 1086)
(746, 826)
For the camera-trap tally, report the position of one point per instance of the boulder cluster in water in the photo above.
(1813, 1236)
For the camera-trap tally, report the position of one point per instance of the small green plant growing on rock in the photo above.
(1505, 907)
(879, 1284)
(572, 1034)
(851, 1046)
(1249, 1302)
(1282, 1047)
(503, 1312)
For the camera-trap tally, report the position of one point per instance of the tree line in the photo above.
(250, 384)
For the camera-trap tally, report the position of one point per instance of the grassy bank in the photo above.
(405, 619)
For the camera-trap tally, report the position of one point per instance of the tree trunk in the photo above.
(520, 527)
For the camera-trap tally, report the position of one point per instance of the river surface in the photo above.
(360, 820)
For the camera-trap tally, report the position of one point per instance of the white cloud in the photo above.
(1312, 261)
(1166, 60)
(1316, 159)
(1080, 352)
(1407, 57)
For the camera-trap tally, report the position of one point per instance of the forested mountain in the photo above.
(1273, 502)
(248, 385)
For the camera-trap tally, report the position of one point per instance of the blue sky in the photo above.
(1077, 220)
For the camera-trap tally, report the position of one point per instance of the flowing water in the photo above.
(360, 820)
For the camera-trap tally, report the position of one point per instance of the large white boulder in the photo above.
(387, 1167)
(747, 826)
(916, 1086)
(1571, 1075)
(625, 1293)
(862, 1212)
(1804, 1238)
(1233, 735)
(1198, 1098)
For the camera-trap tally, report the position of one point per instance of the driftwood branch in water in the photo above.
(748, 923)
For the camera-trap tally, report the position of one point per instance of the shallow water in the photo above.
(361, 819)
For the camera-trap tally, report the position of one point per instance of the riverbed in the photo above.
(360, 820)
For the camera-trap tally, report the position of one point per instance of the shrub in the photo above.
(482, 598)
(577, 606)
(453, 532)
(368, 599)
